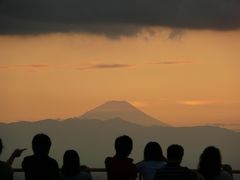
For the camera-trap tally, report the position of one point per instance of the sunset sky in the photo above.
(183, 71)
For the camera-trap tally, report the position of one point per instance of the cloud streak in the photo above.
(3, 66)
(32, 66)
(37, 66)
(106, 66)
(199, 102)
(115, 66)
(116, 18)
(172, 62)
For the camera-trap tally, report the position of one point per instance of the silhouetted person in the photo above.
(210, 165)
(153, 160)
(71, 169)
(40, 166)
(120, 167)
(6, 172)
(173, 170)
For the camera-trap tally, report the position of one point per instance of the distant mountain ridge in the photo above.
(93, 135)
(123, 110)
(94, 139)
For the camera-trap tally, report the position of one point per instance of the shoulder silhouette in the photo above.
(71, 169)
(153, 160)
(210, 165)
(173, 170)
(40, 166)
(120, 167)
(153, 152)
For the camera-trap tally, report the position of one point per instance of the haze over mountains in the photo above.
(93, 135)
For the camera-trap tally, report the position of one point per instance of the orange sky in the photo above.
(192, 79)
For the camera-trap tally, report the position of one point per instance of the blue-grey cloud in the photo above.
(115, 17)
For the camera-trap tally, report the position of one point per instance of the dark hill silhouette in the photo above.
(122, 110)
(93, 139)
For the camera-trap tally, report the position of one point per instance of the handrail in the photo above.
(104, 170)
(89, 169)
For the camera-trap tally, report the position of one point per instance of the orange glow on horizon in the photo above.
(193, 80)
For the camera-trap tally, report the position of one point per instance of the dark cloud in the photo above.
(105, 66)
(176, 34)
(115, 17)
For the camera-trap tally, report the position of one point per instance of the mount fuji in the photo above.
(122, 110)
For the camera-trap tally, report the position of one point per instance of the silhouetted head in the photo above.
(153, 151)
(1, 146)
(210, 162)
(71, 163)
(175, 153)
(123, 146)
(41, 144)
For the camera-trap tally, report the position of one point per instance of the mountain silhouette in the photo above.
(93, 135)
(94, 139)
(122, 110)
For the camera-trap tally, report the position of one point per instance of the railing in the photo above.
(96, 170)
(104, 170)
(90, 169)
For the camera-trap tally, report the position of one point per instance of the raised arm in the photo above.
(16, 153)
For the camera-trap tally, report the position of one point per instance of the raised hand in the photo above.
(18, 152)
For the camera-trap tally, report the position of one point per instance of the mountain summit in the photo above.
(122, 110)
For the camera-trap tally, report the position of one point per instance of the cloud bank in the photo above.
(115, 17)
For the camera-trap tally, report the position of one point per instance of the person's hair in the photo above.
(41, 144)
(153, 151)
(1, 146)
(175, 153)
(71, 163)
(123, 146)
(210, 162)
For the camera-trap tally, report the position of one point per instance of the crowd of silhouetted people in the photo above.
(154, 166)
